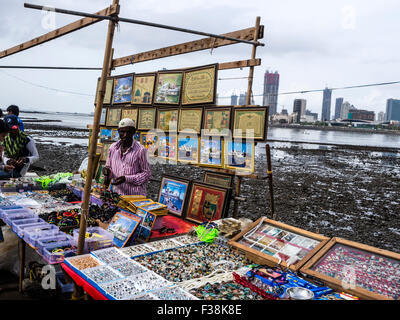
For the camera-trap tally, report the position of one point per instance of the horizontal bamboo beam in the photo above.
(76, 25)
(187, 47)
(239, 64)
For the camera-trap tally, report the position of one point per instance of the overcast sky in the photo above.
(311, 43)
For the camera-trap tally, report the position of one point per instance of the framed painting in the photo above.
(173, 193)
(199, 85)
(250, 123)
(150, 142)
(220, 179)
(122, 226)
(108, 92)
(143, 88)
(146, 118)
(364, 271)
(167, 147)
(99, 174)
(207, 202)
(273, 243)
(114, 135)
(146, 226)
(190, 120)
(113, 117)
(167, 119)
(123, 89)
(211, 152)
(239, 155)
(102, 121)
(104, 153)
(106, 135)
(168, 88)
(217, 121)
(188, 148)
(130, 113)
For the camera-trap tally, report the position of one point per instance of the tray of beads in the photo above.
(149, 281)
(164, 244)
(358, 269)
(56, 253)
(16, 214)
(82, 262)
(47, 241)
(32, 233)
(20, 229)
(137, 250)
(187, 239)
(110, 255)
(121, 289)
(173, 293)
(95, 238)
(128, 268)
(15, 224)
(101, 274)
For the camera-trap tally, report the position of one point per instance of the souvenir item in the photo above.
(143, 88)
(105, 135)
(130, 113)
(102, 121)
(108, 91)
(199, 85)
(211, 152)
(123, 89)
(150, 141)
(224, 180)
(168, 88)
(122, 226)
(188, 148)
(146, 119)
(114, 135)
(239, 155)
(190, 120)
(104, 153)
(167, 147)
(113, 117)
(250, 123)
(167, 120)
(173, 192)
(217, 121)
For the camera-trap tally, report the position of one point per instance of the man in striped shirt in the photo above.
(127, 167)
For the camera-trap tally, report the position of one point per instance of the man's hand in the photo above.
(118, 181)
(12, 162)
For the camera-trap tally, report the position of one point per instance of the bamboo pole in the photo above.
(253, 56)
(21, 264)
(271, 187)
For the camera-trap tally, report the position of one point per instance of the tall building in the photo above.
(271, 88)
(313, 114)
(234, 100)
(326, 105)
(357, 114)
(381, 116)
(344, 112)
(393, 109)
(242, 99)
(338, 108)
(299, 106)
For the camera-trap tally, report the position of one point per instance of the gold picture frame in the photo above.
(146, 118)
(143, 88)
(199, 85)
(190, 120)
(188, 148)
(130, 113)
(212, 152)
(104, 152)
(247, 120)
(122, 91)
(168, 88)
(217, 121)
(167, 119)
(108, 91)
(113, 117)
(239, 155)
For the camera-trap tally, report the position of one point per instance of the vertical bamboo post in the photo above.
(251, 69)
(271, 188)
(21, 244)
(238, 182)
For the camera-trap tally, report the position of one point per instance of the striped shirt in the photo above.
(133, 164)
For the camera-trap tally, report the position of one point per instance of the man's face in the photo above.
(9, 112)
(126, 134)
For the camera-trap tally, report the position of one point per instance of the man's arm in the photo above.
(144, 174)
(34, 154)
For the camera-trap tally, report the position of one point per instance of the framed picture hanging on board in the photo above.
(239, 155)
(130, 113)
(168, 88)
(143, 88)
(108, 91)
(217, 121)
(103, 115)
(211, 152)
(173, 193)
(220, 179)
(123, 89)
(146, 118)
(190, 120)
(167, 147)
(250, 122)
(188, 148)
(150, 141)
(167, 119)
(105, 135)
(113, 117)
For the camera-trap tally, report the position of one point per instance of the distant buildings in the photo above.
(271, 88)
(241, 101)
(344, 111)
(234, 100)
(338, 108)
(361, 115)
(393, 109)
(312, 115)
(299, 106)
(381, 116)
(326, 105)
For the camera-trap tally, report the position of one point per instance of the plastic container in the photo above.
(58, 257)
(64, 286)
(46, 241)
(16, 214)
(96, 238)
(31, 234)
(20, 225)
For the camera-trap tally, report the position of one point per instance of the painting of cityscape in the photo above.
(173, 193)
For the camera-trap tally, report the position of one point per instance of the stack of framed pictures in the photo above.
(274, 243)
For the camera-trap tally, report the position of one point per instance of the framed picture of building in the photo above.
(217, 121)
(113, 117)
(146, 118)
(173, 193)
(167, 119)
(220, 179)
(199, 85)
(239, 155)
(122, 226)
(250, 123)
(190, 120)
(168, 88)
(150, 141)
(167, 147)
(123, 89)
(143, 88)
(130, 113)
(188, 148)
(106, 135)
(108, 91)
(103, 115)
(211, 152)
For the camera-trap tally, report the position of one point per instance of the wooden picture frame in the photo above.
(114, 135)
(107, 100)
(217, 121)
(123, 226)
(356, 262)
(150, 141)
(254, 119)
(143, 88)
(167, 119)
(99, 173)
(130, 113)
(188, 148)
(102, 121)
(220, 179)
(106, 135)
(239, 155)
(122, 89)
(212, 152)
(146, 118)
(173, 193)
(147, 224)
(199, 85)
(207, 202)
(104, 152)
(190, 120)
(272, 243)
(113, 117)
(168, 88)
(168, 147)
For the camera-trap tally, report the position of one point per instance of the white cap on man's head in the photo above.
(126, 123)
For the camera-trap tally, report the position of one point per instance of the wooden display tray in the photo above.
(336, 284)
(266, 259)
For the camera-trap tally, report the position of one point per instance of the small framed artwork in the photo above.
(199, 85)
(366, 272)
(102, 121)
(146, 226)
(113, 117)
(250, 123)
(105, 135)
(220, 179)
(104, 153)
(207, 202)
(217, 121)
(123, 89)
(130, 113)
(167, 119)
(99, 174)
(190, 120)
(143, 88)
(188, 148)
(146, 118)
(150, 141)
(168, 88)
(270, 242)
(211, 152)
(167, 147)
(108, 91)
(239, 155)
(173, 193)
(122, 226)
(114, 135)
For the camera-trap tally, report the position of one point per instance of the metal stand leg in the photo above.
(21, 263)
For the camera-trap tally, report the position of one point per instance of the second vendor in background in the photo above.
(127, 167)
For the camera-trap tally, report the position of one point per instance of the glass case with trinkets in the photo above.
(361, 270)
